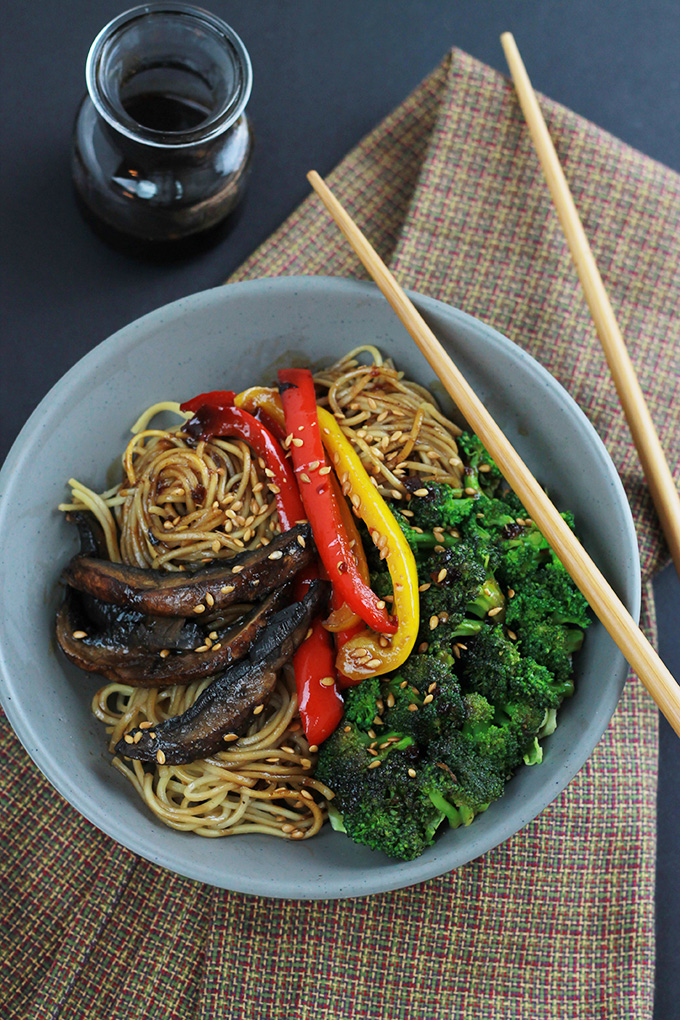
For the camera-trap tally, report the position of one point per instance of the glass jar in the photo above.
(161, 144)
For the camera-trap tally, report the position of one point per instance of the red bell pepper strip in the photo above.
(214, 399)
(341, 617)
(319, 702)
(296, 386)
(223, 419)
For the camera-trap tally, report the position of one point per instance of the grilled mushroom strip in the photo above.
(145, 651)
(90, 533)
(225, 708)
(248, 577)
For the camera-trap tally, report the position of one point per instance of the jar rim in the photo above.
(115, 114)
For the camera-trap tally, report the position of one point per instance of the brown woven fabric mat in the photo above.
(557, 922)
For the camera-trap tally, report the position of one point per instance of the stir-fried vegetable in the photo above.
(319, 701)
(322, 509)
(370, 654)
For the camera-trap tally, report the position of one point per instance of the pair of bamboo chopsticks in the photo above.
(600, 595)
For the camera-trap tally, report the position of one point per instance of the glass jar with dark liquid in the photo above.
(162, 145)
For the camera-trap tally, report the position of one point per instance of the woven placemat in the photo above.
(556, 923)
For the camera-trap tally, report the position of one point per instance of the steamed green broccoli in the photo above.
(499, 619)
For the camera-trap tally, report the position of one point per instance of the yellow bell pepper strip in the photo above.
(370, 654)
(265, 400)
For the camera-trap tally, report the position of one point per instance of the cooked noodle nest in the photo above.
(182, 503)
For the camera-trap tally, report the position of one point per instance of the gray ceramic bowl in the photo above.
(233, 337)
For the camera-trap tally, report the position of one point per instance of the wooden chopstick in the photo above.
(601, 596)
(654, 464)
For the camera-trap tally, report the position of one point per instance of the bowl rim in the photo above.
(396, 875)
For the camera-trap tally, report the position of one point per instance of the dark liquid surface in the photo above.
(165, 111)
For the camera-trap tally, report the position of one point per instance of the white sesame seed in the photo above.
(258, 710)
(160, 757)
(276, 555)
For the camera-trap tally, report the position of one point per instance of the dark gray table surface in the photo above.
(325, 73)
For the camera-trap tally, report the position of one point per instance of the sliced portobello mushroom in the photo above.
(248, 577)
(90, 533)
(130, 653)
(226, 707)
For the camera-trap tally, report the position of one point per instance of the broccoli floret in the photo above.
(494, 515)
(500, 745)
(479, 713)
(477, 780)
(424, 677)
(459, 584)
(442, 506)
(523, 552)
(361, 703)
(548, 594)
(567, 604)
(550, 644)
(524, 719)
(503, 672)
(489, 664)
(480, 468)
(520, 691)
(536, 685)
(395, 807)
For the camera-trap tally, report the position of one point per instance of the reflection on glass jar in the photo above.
(162, 144)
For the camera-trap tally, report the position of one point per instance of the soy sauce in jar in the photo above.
(162, 144)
